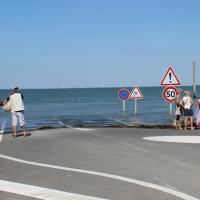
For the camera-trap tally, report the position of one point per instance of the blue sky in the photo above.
(88, 43)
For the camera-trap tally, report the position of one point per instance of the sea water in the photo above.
(89, 107)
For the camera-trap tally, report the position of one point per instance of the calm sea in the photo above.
(88, 107)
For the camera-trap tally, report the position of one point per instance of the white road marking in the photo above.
(40, 192)
(2, 131)
(1, 135)
(117, 120)
(175, 139)
(133, 146)
(61, 123)
(83, 129)
(172, 192)
(3, 126)
(165, 184)
(79, 129)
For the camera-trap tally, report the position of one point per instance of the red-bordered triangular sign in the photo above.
(170, 78)
(136, 93)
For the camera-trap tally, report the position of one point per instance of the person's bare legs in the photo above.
(179, 124)
(185, 122)
(191, 122)
(24, 130)
(14, 124)
(14, 131)
(176, 125)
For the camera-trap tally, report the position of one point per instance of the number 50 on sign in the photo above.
(169, 94)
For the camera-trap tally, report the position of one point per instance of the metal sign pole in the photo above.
(135, 106)
(124, 106)
(170, 112)
(194, 80)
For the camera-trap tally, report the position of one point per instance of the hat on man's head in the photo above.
(16, 89)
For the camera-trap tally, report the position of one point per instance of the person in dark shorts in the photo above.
(187, 103)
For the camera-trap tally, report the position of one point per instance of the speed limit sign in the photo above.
(170, 93)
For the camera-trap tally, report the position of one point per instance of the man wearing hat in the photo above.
(17, 111)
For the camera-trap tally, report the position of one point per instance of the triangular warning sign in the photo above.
(170, 78)
(136, 93)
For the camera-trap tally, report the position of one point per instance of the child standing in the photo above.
(178, 113)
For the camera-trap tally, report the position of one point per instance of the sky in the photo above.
(95, 43)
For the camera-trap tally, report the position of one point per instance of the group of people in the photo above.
(14, 104)
(184, 107)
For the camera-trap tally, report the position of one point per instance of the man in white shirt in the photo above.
(17, 109)
(188, 111)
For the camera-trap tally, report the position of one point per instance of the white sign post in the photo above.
(136, 94)
(135, 106)
(124, 106)
(171, 112)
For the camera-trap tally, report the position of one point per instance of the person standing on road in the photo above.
(17, 111)
(197, 115)
(178, 113)
(187, 103)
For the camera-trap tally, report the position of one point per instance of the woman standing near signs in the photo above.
(188, 111)
(197, 115)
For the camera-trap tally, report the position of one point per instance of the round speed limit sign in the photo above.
(170, 93)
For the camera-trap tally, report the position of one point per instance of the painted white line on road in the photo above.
(40, 192)
(83, 129)
(1, 135)
(2, 131)
(172, 192)
(133, 146)
(79, 129)
(175, 139)
(61, 123)
(165, 184)
(117, 120)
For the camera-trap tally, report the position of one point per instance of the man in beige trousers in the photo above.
(17, 111)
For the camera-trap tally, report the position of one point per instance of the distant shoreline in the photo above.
(116, 87)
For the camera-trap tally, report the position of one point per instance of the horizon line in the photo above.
(54, 88)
